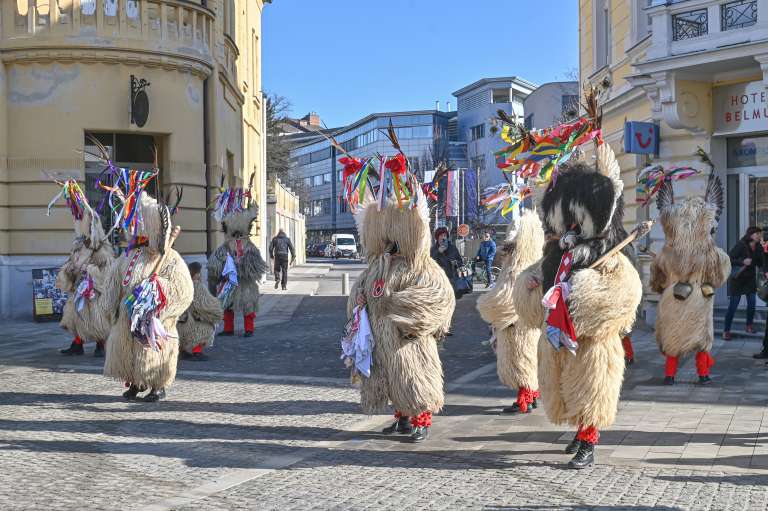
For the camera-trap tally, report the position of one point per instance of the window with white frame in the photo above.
(602, 33)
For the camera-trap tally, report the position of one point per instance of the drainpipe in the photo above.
(207, 161)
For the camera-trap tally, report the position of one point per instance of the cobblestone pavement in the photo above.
(270, 423)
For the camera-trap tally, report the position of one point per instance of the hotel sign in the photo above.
(741, 108)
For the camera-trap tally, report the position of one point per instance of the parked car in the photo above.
(345, 246)
(320, 250)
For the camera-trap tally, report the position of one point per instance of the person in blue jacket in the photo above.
(486, 253)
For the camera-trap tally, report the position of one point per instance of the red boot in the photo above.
(703, 362)
(629, 352)
(249, 319)
(670, 370)
(229, 322)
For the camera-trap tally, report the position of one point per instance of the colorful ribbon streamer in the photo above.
(651, 179)
(504, 197)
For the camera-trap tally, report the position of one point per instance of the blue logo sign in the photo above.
(641, 137)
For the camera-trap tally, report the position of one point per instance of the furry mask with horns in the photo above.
(693, 218)
(584, 210)
(394, 230)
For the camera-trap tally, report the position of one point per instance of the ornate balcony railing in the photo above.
(174, 29)
(738, 14)
(700, 25)
(687, 25)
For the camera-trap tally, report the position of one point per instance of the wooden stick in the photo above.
(641, 230)
(171, 239)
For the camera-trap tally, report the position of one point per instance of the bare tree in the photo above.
(278, 149)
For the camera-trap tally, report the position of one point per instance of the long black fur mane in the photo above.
(580, 184)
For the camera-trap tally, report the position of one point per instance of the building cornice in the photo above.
(90, 55)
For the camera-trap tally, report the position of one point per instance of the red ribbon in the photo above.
(351, 167)
(397, 165)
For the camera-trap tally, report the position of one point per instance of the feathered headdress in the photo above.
(87, 221)
(539, 154)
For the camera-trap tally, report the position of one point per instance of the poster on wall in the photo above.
(47, 301)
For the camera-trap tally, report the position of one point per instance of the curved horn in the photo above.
(714, 195)
(666, 197)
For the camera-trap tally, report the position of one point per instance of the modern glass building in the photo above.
(423, 136)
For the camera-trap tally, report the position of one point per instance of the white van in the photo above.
(345, 245)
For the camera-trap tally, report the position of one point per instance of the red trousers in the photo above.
(229, 321)
(629, 352)
(703, 362)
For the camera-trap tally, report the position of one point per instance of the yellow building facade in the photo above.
(699, 70)
(69, 73)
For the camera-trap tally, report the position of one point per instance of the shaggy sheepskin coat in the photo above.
(516, 339)
(251, 267)
(413, 313)
(127, 360)
(198, 323)
(689, 256)
(584, 210)
(92, 254)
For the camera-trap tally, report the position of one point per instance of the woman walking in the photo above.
(746, 255)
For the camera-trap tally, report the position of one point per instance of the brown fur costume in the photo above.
(127, 359)
(689, 256)
(583, 389)
(413, 313)
(516, 339)
(250, 265)
(197, 325)
(92, 251)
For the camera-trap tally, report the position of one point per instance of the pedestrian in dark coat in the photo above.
(446, 254)
(746, 256)
(279, 250)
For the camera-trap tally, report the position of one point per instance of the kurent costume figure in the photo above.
(197, 326)
(236, 267)
(516, 339)
(408, 297)
(686, 273)
(581, 360)
(89, 258)
(145, 292)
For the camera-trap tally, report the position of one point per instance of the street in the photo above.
(271, 422)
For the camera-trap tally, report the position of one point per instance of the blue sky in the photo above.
(345, 59)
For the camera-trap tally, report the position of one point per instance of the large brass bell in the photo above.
(682, 290)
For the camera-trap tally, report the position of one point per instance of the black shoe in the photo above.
(198, 357)
(154, 396)
(401, 425)
(248, 334)
(226, 334)
(420, 434)
(534, 404)
(276, 284)
(629, 361)
(573, 446)
(185, 355)
(705, 380)
(669, 380)
(285, 288)
(515, 408)
(74, 349)
(99, 351)
(585, 456)
(761, 355)
(132, 392)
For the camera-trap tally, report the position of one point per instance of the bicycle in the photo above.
(481, 275)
